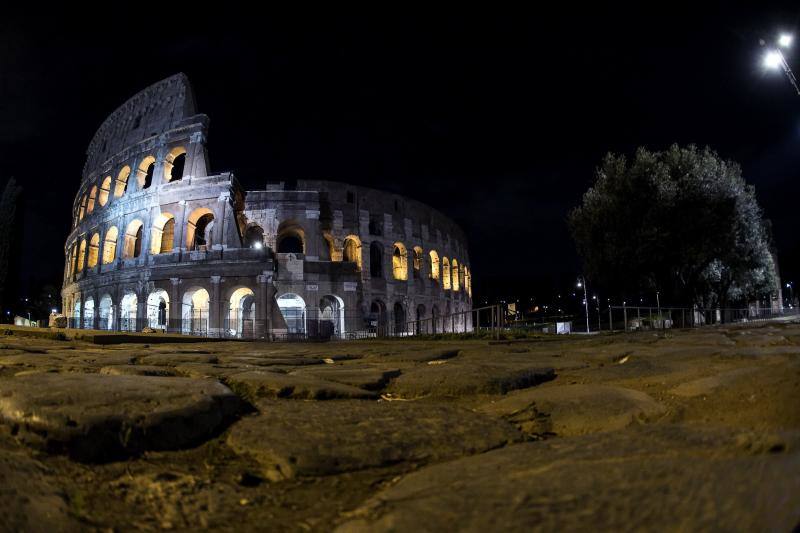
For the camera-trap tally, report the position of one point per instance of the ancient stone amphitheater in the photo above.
(159, 242)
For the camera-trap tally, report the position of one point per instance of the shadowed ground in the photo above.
(688, 430)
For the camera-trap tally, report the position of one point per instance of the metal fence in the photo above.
(624, 318)
(301, 324)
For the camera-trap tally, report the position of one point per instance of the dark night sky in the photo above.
(498, 120)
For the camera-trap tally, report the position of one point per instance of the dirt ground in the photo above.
(685, 430)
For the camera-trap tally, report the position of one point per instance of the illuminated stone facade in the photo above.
(159, 242)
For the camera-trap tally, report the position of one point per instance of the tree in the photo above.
(681, 221)
(8, 233)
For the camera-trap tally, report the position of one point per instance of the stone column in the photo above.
(215, 324)
(158, 170)
(175, 307)
(96, 318)
(180, 227)
(195, 165)
(80, 310)
(141, 309)
(262, 303)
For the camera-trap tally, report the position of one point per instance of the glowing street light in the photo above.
(582, 284)
(774, 59)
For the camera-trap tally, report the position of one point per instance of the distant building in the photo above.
(157, 242)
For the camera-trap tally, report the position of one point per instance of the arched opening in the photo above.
(331, 316)
(241, 313)
(375, 260)
(76, 313)
(144, 174)
(446, 273)
(417, 262)
(81, 255)
(133, 240)
(88, 313)
(468, 281)
(447, 319)
(293, 309)
(434, 259)
(121, 185)
(105, 190)
(352, 250)
(328, 249)
(106, 313)
(92, 198)
(456, 280)
(82, 210)
(94, 250)
(436, 326)
(254, 237)
(400, 322)
(195, 311)
(162, 236)
(291, 238)
(377, 318)
(400, 261)
(420, 326)
(127, 312)
(110, 245)
(174, 164)
(199, 228)
(158, 309)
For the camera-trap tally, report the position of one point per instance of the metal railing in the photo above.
(638, 318)
(300, 324)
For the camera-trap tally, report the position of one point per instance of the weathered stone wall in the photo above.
(135, 195)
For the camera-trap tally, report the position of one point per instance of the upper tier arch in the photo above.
(160, 107)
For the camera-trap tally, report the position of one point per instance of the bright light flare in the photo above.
(772, 60)
(785, 40)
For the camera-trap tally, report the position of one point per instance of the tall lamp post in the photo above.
(774, 59)
(582, 283)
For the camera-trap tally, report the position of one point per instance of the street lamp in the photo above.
(774, 59)
(582, 283)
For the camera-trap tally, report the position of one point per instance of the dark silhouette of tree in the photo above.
(682, 221)
(9, 230)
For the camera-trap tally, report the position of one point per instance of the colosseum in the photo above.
(159, 242)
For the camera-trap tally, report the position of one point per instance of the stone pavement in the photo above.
(688, 430)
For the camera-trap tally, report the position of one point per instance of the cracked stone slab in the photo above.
(463, 378)
(369, 377)
(569, 410)
(138, 370)
(96, 417)
(292, 439)
(262, 384)
(680, 479)
(177, 358)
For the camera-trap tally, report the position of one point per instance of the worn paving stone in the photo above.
(665, 478)
(29, 498)
(256, 384)
(177, 358)
(369, 377)
(454, 378)
(420, 355)
(94, 417)
(271, 361)
(138, 370)
(292, 439)
(202, 370)
(708, 384)
(570, 410)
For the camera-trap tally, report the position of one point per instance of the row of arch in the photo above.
(162, 240)
(100, 193)
(451, 274)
